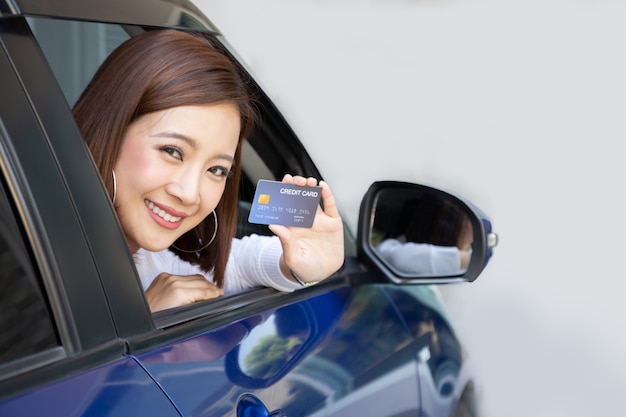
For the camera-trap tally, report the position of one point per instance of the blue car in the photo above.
(78, 338)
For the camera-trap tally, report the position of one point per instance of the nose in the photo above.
(185, 186)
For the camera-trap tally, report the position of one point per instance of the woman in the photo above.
(164, 118)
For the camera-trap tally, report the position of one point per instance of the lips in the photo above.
(171, 217)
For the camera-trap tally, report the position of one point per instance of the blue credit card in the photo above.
(276, 202)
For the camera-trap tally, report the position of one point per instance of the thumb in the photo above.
(282, 232)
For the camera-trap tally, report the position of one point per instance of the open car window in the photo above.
(74, 50)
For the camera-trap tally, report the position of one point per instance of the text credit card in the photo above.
(276, 202)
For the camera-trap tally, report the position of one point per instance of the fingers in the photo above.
(168, 291)
(300, 180)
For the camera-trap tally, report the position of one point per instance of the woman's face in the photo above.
(172, 170)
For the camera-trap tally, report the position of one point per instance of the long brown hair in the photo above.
(158, 70)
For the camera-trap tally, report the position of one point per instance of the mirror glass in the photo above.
(421, 232)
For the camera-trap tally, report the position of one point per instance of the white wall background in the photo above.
(518, 105)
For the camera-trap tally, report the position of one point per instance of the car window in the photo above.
(74, 50)
(26, 323)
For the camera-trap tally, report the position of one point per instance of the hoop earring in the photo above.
(114, 187)
(204, 246)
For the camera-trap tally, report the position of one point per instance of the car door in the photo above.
(336, 341)
(60, 354)
(332, 347)
(330, 350)
(199, 375)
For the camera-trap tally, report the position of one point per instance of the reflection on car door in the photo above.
(345, 352)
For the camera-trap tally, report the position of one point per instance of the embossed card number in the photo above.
(289, 205)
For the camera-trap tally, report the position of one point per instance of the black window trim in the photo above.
(167, 13)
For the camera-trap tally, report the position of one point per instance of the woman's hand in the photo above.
(167, 291)
(313, 253)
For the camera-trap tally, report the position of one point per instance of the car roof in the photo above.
(164, 13)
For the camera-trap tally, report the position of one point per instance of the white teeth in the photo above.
(161, 213)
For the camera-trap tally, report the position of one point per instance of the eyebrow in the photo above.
(167, 134)
(191, 142)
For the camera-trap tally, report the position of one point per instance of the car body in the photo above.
(79, 339)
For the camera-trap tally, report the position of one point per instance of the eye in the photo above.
(221, 171)
(173, 152)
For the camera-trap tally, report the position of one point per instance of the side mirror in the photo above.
(416, 233)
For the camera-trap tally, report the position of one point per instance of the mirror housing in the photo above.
(414, 233)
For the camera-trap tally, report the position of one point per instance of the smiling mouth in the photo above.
(161, 213)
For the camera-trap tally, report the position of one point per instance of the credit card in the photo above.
(276, 202)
